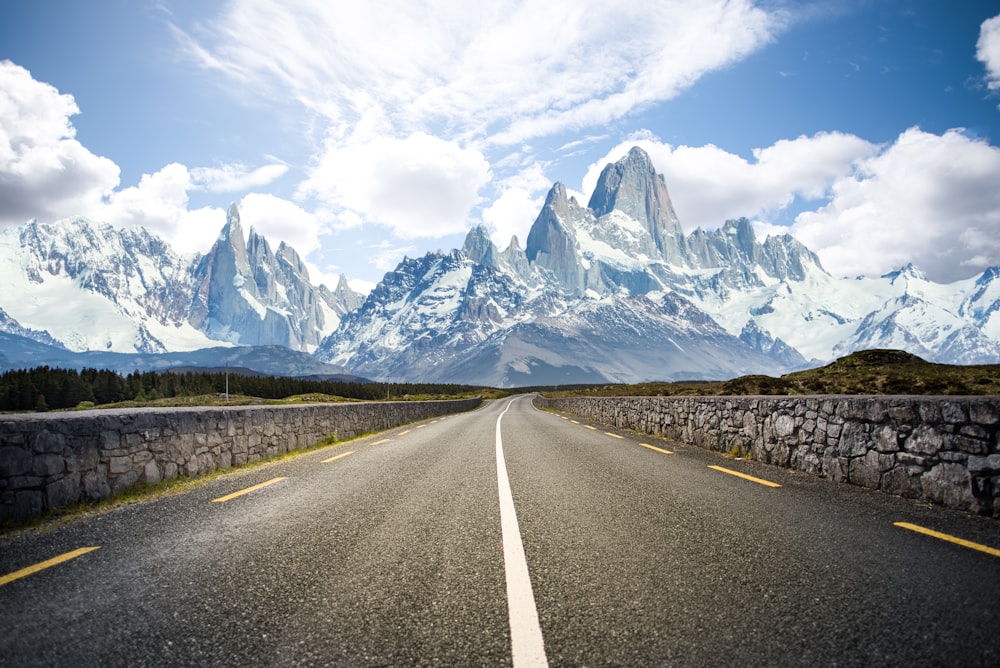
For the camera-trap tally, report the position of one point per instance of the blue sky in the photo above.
(360, 134)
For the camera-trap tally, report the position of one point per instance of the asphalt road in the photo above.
(389, 550)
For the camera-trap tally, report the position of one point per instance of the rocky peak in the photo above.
(633, 187)
(479, 247)
(905, 273)
(232, 232)
(551, 242)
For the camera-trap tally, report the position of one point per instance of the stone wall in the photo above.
(944, 450)
(53, 460)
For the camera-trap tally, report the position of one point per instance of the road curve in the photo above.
(390, 550)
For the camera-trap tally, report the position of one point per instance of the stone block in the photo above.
(898, 481)
(151, 472)
(984, 413)
(952, 412)
(866, 471)
(970, 445)
(47, 441)
(117, 465)
(95, 486)
(784, 426)
(984, 466)
(124, 481)
(63, 492)
(27, 504)
(925, 440)
(48, 465)
(854, 440)
(949, 484)
(14, 461)
(887, 439)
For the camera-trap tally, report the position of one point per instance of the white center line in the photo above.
(527, 647)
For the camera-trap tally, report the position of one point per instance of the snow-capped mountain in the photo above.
(88, 286)
(615, 291)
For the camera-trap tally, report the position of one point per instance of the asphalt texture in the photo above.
(392, 556)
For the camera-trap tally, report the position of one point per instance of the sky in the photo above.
(360, 133)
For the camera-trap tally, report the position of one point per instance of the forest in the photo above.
(44, 388)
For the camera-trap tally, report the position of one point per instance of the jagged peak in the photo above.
(515, 244)
(907, 271)
(478, 245)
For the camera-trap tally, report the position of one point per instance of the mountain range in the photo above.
(613, 291)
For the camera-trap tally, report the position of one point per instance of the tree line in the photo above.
(44, 388)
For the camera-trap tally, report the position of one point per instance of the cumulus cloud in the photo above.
(928, 199)
(709, 185)
(160, 204)
(988, 50)
(281, 220)
(45, 172)
(420, 186)
(515, 209)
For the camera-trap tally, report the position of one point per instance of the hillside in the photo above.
(865, 372)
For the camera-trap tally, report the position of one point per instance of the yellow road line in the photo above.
(41, 566)
(590, 428)
(384, 440)
(229, 497)
(767, 483)
(336, 457)
(951, 539)
(404, 433)
(653, 447)
(608, 433)
(574, 422)
(421, 426)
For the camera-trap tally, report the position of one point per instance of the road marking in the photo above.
(527, 647)
(608, 433)
(336, 457)
(421, 426)
(766, 483)
(404, 433)
(384, 440)
(229, 497)
(951, 539)
(574, 422)
(41, 566)
(653, 447)
(590, 428)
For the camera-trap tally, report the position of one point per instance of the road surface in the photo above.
(591, 547)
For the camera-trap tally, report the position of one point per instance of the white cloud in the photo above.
(279, 220)
(420, 186)
(506, 71)
(521, 198)
(235, 177)
(928, 199)
(45, 172)
(512, 214)
(709, 185)
(160, 204)
(988, 50)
